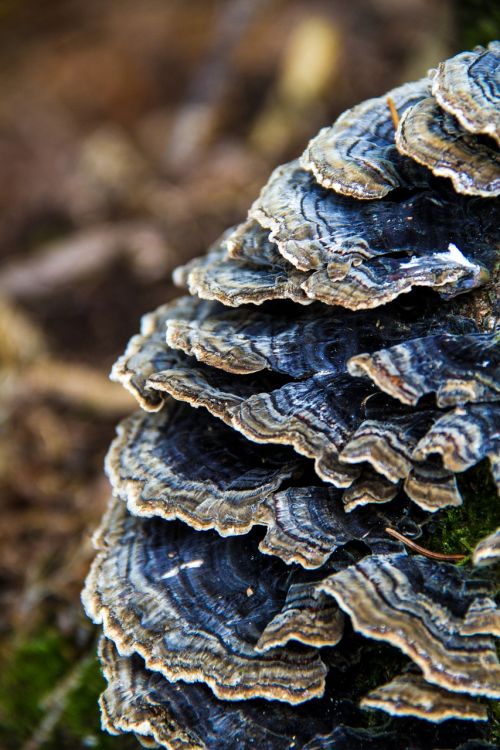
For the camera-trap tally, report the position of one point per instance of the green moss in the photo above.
(80, 722)
(494, 710)
(380, 664)
(29, 673)
(458, 530)
(81, 703)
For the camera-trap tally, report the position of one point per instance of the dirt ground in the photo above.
(131, 135)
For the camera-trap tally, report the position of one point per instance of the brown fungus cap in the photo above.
(317, 229)
(310, 523)
(435, 139)
(299, 341)
(389, 446)
(463, 437)
(419, 606)
(356, 155)
(459, 369)
(146, 353)
(187, 465)
(235, 282)
(182, 716)
(410, 695)
(467, 86)
(487, 551)
(179, 599)
(308, 617)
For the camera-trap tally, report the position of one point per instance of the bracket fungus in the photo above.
(356, 156)
(434, 138)
(308, 411)
(487, 550)
(411, 695)
(467, 86)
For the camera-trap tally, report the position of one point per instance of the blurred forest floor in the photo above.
(131, 135)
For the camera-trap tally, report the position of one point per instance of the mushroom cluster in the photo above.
(305, 412)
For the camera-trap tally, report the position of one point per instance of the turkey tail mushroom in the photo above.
(313, 405)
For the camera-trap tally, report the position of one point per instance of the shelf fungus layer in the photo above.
(294, 343)
(467, 87)
(188, 465)
(194, 607)
(300, 342)
(382, 280)
(313, 405)
(307, 415)
(188, 716)
(463, 437)
(315, 416)
(435, 139)
(315, 228)
(410, 695)
(236, 282)
(307, 617)
(362, 286)
(356, 156)
(308, 524)
(390, 445)
(487, 551)
(146, 353)
(419, 606)
(458, 369)
(183, 716)
(155, 467)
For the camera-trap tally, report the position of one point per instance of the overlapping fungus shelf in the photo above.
(314, 412)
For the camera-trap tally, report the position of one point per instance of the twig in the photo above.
(422, 550)
(82, 254)
(393, 111)
(78, 384)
